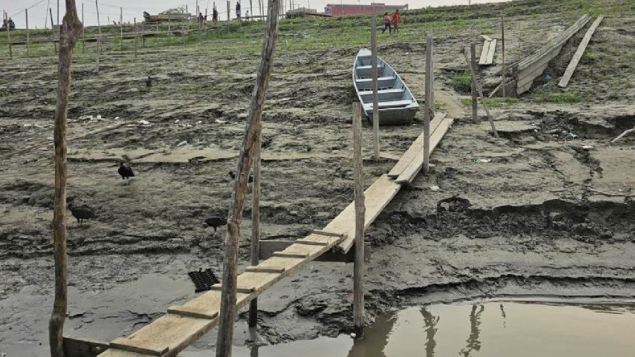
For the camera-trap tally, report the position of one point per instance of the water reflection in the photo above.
(473, 342)
(504, 315)
(375, 337)
(431, 330)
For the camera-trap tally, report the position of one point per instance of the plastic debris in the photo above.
(36, 95)
(98, 117)
(199, 122)
(435, 188)
(482, 161)
(50, 138)
(143, 122)
(182, 143)
(176, 121)
(220, 121)
(587, 147)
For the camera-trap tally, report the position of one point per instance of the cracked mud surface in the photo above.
(546, 210)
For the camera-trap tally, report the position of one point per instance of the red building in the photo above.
(351, 9)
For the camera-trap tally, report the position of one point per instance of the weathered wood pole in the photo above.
(360, 214)
(6, 21)
(53, 30)
(478, 87)
(504, 64)
(428, 104)
(26, 15)
(136, 38)
(229, 10)
(432, 106)
(121, 27)
(255, 223)
(474, 93)
(245, 160)
(373, 49)
(251, 10)
(83, 32)
(70, 32)
(169, 24)
(99, 35)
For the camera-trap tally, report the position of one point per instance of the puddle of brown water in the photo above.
(492, 329)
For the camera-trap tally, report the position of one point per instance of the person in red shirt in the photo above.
(387, 23)
(395, 21)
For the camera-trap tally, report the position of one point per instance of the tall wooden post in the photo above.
(245, 160)
(229, 10)
(70, 32)
(373, 48)
(136, 40)
(26, 16)
(46, 13)
(360, 214)
(6, 21)
(504, 64)
(83, 32)
(169, 24)
(427, 113)
(255, 223)
(474, 92)
(99, 34)
(478, 87)
(58, 13)
(53, 30)
(251, 9)
(121, 27)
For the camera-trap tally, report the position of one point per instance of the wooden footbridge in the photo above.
(183, 324)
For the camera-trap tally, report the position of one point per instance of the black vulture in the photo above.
(125, 172)
(149, 82)
(81, 213)
(215, 222)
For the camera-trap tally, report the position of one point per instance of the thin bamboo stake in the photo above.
(26, 16)
(136, 38)
(474, 93)
(245, 160)
(360, 214)
(121, 26)
(99, 40)
(479, 89)
(622, 135)
(6, 21)
(255, 223)
(504, 64)
(83, 32)
(428, 102)
(70, 32)
(373, 44)
(53, 30)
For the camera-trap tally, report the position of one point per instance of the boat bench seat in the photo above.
(396, 103)
(385, 91)
(366, 80)
(370, 67)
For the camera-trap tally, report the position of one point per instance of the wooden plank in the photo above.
(578, 54)
(192, 312)
(327, 234)
(378, 195)
(415, 148)
(492, 51)
(138, 346)
(310, 242)
(291, 255)
(486, 38)
(77, 347)
(484, 52)
(239, 289)
(409, 174)
(257, 269)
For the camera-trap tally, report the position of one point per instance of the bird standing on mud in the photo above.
(215, 222)
(81, 213)
(125, 172)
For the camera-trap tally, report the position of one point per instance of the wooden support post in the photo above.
(58, 13)
(478, 87)
(255, 223)
(373, 46)
(6, 21)
(245, 160)
(83, 31)
(474, 93)
(26, 16)
(70, 32)
(251, 9)
(99, 36)
(143, 38)
(428, 102)
(136, 38)
(169, 24)
(48, 6)
(53, 31)
(360, 214)
(504, 64)
(229, 10)
(121, 27)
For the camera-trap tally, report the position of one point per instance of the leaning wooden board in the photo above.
(578, 54)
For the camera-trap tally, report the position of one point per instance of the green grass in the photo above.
(462, 82)
(566, 97)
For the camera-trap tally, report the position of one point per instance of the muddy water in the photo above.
(490, 329)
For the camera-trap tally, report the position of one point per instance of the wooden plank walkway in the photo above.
(487, 54)
(578, 54)
(184, 324)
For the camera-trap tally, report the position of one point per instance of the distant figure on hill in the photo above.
(395, 21)
(387, 23)
(201, 18)
(247, 15)
(238, 10)
(215, 16)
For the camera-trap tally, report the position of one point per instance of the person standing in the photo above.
(387, 23)
(395, 21)
(247, 15)
(238, 10)
(215, 16)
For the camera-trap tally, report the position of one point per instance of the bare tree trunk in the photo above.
(70, 32)
(245, 161)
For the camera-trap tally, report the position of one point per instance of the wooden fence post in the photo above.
(245, 160)
(6, 21)
(53, 30)
(360, 214)
(478, 87)
(228, 11)
(373, 46)
(121, 27)
(70, 32)
(428, 104)
(26, 15)
(255, 222)
(504, 64)
(99, 35)
(136, 38)
(83, 31)
(474, 92)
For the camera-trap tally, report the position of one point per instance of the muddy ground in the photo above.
(545, 210)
